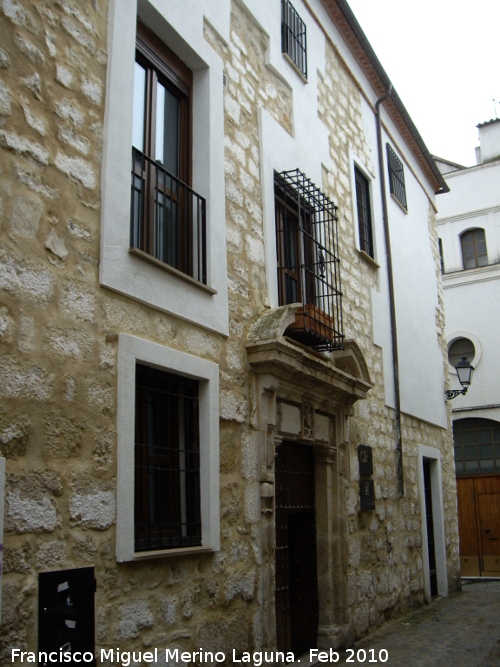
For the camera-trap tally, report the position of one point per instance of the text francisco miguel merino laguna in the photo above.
(126, 658)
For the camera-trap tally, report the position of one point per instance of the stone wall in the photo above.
(59, 335)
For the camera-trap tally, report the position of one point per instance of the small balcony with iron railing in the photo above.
(167, 219)
(308, 262)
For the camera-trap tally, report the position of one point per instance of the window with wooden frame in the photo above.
(307, 259)
(474, 253)
(168, 217)
(396, 177)
(293, 37)
(364, 209)
(167, 461)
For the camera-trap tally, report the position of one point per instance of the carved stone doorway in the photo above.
(296, 576)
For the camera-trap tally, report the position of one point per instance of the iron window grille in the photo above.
(168, 218)
(477, 446)
(308, 262)
(364, 212)
(396, 177)
(474, 251)
(293, 36)
(167, 461)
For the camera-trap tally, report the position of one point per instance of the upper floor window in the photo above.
(396, 177)
(168, 218)
(167, 461)
(308, 263)
(474, 249)
(363, 205)
(293, 36)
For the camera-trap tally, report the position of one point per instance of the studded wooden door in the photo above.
(296, 595)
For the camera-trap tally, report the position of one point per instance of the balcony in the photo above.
(308, 263)
(167, 218)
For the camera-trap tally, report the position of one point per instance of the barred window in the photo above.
(293, 36)
(474, 251)
(364, 212)
(308, 262)
(477, 446)
(167, 461)
(396, 177)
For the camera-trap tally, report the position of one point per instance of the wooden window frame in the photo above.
(474, 241)
(364, 210)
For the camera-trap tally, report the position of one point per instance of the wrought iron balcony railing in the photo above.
(168, 218)
(308, 263)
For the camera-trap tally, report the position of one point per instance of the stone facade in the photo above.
(59, 332)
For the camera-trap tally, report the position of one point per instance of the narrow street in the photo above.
(462, 630)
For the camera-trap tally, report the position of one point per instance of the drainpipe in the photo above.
(394, 332)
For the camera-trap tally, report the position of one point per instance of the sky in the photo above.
(443, 58)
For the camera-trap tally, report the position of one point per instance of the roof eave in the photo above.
(345, 21)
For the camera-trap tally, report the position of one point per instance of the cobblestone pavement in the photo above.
(462, 630)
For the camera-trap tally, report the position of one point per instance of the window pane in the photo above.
(167, 129)
(459, 466)
(487, 466)
(458, 453)
(484, 435)
(471, 466)
(138, 110)
(470, 452)
(485, 451)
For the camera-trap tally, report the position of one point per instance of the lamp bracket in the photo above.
(453, 393)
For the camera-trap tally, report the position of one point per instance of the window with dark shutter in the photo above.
(363, 205)
(396, 177)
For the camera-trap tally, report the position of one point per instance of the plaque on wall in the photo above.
(365, 460)
(366, 494)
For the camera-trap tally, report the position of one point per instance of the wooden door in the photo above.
(479, 525)
(296, 595)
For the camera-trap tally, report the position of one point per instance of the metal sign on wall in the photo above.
(66, 612)
(366, 486)
(366, 494)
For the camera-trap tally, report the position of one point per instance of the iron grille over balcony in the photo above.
(168, 218)
(293, 36)
(308, 263)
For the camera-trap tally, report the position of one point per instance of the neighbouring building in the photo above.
(223, 350)
(469, 228)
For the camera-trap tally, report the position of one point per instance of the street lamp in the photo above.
(464, 372)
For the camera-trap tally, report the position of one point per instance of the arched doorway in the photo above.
(477, 464)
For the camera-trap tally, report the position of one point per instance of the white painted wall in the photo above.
(472, 297)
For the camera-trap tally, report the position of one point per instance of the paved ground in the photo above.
(462, 630)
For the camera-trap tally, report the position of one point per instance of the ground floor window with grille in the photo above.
(167, 460)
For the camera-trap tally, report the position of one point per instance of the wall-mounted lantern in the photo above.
(464, 372)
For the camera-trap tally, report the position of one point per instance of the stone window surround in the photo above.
(424, 451)
(131, 350)
(152, 284)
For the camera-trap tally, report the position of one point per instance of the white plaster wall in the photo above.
(416, 291)
(472, 296)
(473, 201)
